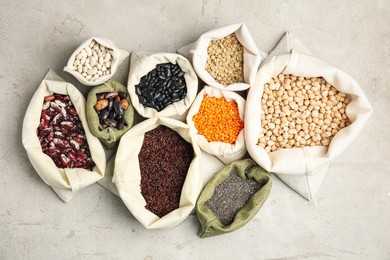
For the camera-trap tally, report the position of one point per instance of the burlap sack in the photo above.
(224, 151)
(142, 63)
(111, 135)
(210, 224)
(65, 182)
(127, 176)
(303, 169)
(118, 56)
(196, 52)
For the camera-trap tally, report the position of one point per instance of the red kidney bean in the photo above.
(62, 135)
(48, 98)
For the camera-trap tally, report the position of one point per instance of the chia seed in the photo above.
(230, 196)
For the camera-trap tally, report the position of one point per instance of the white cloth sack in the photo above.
(65, 182)
(210, 165)
(127, 176)
(142, 63)
(118, 56)
(303, 169)
(225, 152)
(106, 181)
(196, 52)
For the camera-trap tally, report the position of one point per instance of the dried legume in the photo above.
(230, 196)
(218, 120)
(110, 107)
(93, 61)
(164, 160)
(225, 60)
(162, 86)
(301, 111)
(62, 135)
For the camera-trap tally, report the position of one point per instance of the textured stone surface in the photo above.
(352, 218)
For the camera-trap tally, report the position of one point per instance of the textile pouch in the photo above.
(118, 56)
(226, 152)
(209, 167)
(303, 169)
(110, 135)
(127, 176)
(196, 52)
(65, 182)
(210, 224)
(142, 63)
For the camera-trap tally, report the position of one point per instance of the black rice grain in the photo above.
(164, 160)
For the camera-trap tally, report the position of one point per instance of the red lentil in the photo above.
(218, 120)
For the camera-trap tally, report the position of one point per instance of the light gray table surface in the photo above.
(352, 217)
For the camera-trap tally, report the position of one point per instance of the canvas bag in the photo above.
(65, 182)
(127, 177)
(142, 63)
(196, 52)
(118, 56)
(209, 166)
(111, 135)
(210, 224)
(106, 181)
(224, 151)
(303, 169)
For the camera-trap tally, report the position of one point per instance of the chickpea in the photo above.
(299, 111)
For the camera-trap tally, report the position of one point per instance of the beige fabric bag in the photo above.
(303, 169)
(196, 52)
(225, 152)
(118, 56)
(127, 176)
(65, 182)
(142, 63)
(209, 167)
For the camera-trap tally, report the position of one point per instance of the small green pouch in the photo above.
(247, 168)
(109, 136)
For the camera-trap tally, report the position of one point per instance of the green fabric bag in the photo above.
(247, 168)
(109, 136)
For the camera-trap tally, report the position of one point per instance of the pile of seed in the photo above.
(230, 196)
(218, 120)
(162, 86)
(93, 61)
(110, 107)
(301, 111)
(225, 60)
(164, 160)
(62, 135)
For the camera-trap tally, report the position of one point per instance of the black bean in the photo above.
(101, 95)
(103, 114)
(162, 86)
(123, 95)
(118, 107)
(112, 114)
(111, 95)
(138, 90)
(161, 76)
(147, 94)
(142, 100)
(110, 104)
(110, 122)
(121, 123)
